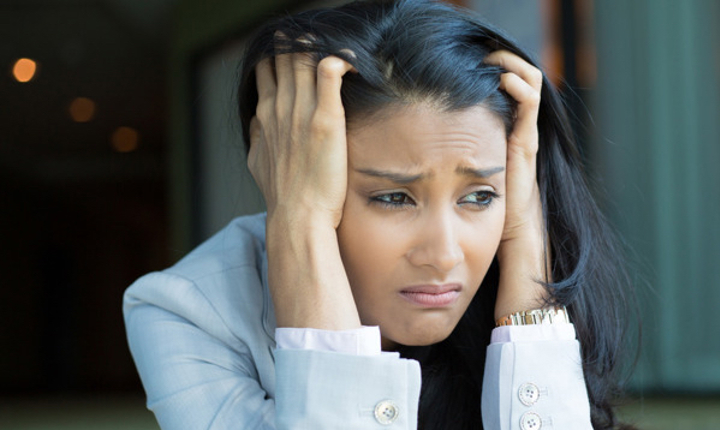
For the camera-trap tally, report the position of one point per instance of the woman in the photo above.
(422, 187)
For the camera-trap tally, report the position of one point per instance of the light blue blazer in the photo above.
(202, 337)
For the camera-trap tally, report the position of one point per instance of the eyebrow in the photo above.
(400, 178)
(479, 173)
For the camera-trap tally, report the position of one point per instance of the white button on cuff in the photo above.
(386, 412)
(528, 394)
(530, 421)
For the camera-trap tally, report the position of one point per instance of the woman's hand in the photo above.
(298, 157)
(298, 152)
(523, 254)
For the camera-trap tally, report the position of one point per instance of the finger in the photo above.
(524, 134)
(265, 79)
(515, 64)
(330, 71)
(257, 143)
(304, 67)
(284, 68)
(255, 147)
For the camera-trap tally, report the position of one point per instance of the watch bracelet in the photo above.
(553, 315)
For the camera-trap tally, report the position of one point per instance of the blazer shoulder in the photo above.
(239, 244)
(222, 280)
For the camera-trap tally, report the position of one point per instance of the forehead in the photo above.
(418, 133)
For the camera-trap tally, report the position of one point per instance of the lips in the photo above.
(431, 295)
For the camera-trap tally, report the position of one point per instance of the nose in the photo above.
(438, 243)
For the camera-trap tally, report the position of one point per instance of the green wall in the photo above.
(658, 148)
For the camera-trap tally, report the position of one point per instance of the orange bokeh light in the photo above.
(24, 70)
(82, 109)
(125, 139)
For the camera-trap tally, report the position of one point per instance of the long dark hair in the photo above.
(420, 50)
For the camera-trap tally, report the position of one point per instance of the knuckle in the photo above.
(532, 98)
(536, 77)
(265, 110)
(328, 67)
(320, 124)
(507, 80)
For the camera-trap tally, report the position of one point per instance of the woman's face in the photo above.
(423, 217)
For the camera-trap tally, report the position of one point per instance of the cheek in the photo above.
(371, 253)
(369, 246)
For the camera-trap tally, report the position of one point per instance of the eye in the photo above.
(482, 199)
(392, 200)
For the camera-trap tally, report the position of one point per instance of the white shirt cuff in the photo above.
(532, 332)
(360, 341)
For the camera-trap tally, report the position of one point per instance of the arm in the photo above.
(533, 374)
(523, 254)
(199, 374)
(194, 374)
(298, 157)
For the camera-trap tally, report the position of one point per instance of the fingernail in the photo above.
(349, 52)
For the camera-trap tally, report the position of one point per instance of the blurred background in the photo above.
(120, 151)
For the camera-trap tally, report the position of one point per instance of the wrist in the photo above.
(525, 266)
(306, 276)
(527, 248)
(283, 229)
(302, 215)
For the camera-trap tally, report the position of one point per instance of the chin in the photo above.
(420, 337)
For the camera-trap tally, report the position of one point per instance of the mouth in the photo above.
(432, 296)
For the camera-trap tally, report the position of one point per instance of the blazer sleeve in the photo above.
(535, 381)
(196, 378)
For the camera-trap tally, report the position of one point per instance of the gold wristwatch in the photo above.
(553, 315)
